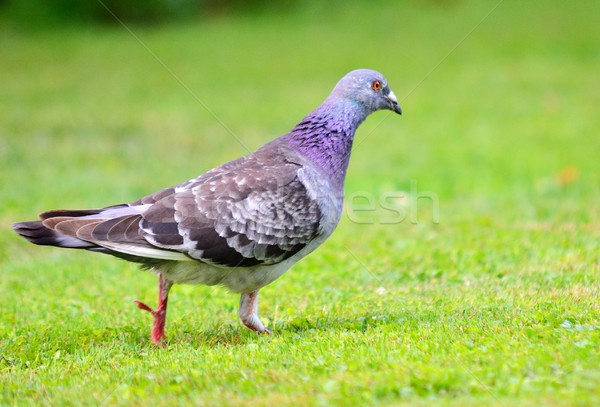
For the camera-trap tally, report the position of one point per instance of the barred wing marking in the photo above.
(244, 213)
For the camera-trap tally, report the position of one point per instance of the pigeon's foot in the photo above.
(160, 318)
(248, 313)
(160, 314)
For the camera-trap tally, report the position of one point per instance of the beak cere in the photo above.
(394, 103)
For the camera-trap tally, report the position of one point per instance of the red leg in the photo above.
(160, 314)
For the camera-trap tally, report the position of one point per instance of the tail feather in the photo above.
(77, 213)
(42, 232)
(37, 233)
(113, 230)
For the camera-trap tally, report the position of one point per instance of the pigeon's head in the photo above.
(368, 88)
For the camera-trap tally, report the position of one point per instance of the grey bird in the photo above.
(242, 224)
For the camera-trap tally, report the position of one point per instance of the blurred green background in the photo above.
(46, 13)
(496, 303)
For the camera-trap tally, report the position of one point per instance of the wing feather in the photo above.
(254, 212)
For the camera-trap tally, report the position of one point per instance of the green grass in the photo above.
(495, 304)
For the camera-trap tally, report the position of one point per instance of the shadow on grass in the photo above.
(297, 328)
(133, 339)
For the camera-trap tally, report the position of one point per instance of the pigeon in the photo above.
(242, 224)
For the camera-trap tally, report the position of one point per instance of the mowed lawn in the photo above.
(465, 270)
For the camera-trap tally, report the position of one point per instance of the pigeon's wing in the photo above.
(251, 211)
(245, 213)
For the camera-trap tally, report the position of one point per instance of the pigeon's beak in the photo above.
(394, 103)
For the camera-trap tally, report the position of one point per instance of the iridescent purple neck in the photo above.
(325, 136)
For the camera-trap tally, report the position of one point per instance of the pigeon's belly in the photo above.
(240, 279)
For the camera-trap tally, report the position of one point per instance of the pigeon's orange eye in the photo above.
(376, 85)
